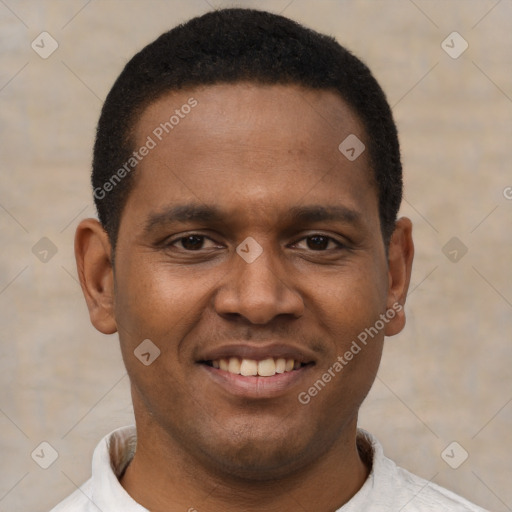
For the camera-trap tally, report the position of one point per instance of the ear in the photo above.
(93, 255)
(400, 256)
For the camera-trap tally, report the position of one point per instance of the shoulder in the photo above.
(79, 501)
(103, 489)
(394, 488)
(423, 495)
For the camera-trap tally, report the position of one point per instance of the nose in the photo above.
(259, 290)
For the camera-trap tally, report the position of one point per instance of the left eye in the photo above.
(319, 242)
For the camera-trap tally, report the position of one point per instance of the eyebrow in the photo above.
(194, 212)
(318, 213)
(183, 213)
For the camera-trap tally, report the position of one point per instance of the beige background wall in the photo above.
(445, 378)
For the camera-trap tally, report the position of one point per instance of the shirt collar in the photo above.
(116, 450)
(109, 461)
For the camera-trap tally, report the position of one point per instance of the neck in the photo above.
(164, 477)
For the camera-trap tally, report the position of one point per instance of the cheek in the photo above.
(350, 309)
(154, 301)
(343, 379)
(352, 300)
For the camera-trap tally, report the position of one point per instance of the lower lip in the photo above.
(255, 386)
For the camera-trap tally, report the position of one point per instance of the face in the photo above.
(250, 254)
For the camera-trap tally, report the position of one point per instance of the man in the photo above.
(247, 178)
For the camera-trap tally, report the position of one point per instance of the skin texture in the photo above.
(255, 152)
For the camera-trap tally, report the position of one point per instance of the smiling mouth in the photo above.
(250, 367)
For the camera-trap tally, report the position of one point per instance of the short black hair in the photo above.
(230, 46)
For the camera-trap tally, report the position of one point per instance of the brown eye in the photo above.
(192, 242)
(317, 242)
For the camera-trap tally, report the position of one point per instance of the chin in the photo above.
(260, 455)
(257, 463)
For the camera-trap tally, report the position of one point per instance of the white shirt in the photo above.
(388, 487)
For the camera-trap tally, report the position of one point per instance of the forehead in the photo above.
(269, 147)
(289, 115)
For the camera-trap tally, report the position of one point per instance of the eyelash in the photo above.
(339, 245)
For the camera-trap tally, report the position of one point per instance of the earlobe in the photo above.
(400, 258)
(94, 265)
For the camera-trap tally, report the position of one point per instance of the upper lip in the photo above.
(258, 352)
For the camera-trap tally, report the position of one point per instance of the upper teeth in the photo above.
(265, 368)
